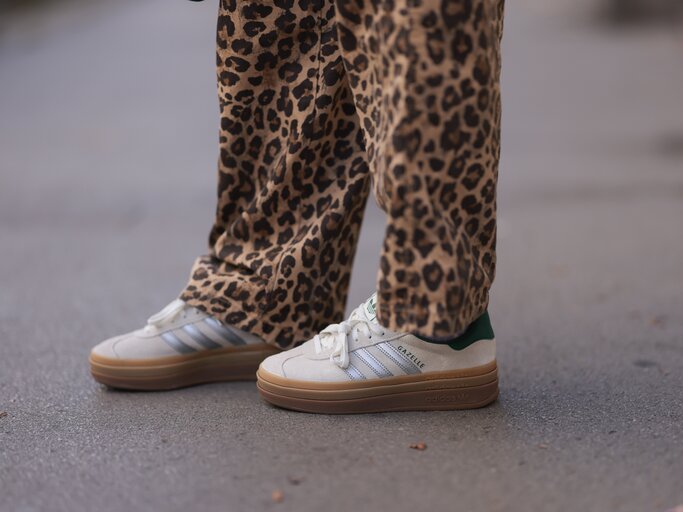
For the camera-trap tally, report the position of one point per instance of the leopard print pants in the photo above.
(321, 98)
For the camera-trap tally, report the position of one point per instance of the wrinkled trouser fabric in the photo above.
(321, 98)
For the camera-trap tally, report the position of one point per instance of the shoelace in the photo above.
(168, 314)
(335, 337)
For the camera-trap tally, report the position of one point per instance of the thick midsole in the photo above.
(174, 372)
(459, 387)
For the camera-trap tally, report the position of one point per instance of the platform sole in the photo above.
(460, 389)
(178, 372)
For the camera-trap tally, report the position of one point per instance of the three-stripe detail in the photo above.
(372, 362)
(354, 373)
(365, 358)
(398, 358)
(225, 333)
(199, 337)
(174, 342)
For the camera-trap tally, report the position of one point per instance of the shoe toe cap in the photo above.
(274, 364)
(295, 365)
(106, 349)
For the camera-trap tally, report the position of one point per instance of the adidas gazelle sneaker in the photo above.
(359, 366)
(180, 346)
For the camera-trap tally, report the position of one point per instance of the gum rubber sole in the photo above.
(179, 371)
(469, 389)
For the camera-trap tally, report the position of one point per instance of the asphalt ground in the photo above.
(108, 124)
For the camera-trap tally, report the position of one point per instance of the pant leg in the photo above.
(293, 179)
(425, 78)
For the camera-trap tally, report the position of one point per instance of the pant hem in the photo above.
(434, 321)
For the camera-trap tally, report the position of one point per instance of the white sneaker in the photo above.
(359, 366)
(180, 346)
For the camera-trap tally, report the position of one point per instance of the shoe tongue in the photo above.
(370, 307)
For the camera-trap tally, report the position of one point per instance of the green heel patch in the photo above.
(480, 329)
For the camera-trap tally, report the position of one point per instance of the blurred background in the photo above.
(108, 132)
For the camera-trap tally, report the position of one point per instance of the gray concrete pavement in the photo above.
(107, 152)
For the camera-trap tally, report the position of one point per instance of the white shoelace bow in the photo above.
(335, 337)
(168, 314)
